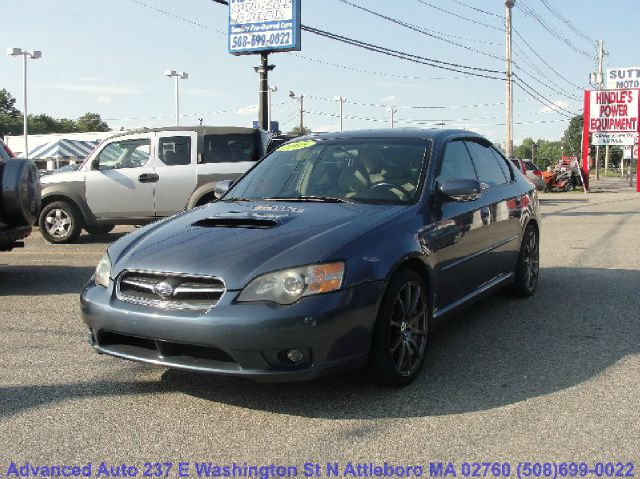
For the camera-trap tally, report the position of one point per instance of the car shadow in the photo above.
(37, 280)
(499, 352)
(108, 238)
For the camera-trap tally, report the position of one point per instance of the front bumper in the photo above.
(333, 331)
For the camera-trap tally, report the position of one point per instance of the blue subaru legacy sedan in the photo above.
(336, 251)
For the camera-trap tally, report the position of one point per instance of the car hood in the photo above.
(238, 241)
(62, 177)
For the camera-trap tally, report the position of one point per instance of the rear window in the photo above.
(530, 165)
(229, 148)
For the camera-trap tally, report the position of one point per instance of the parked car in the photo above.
(336, 251)
(530, 171)
(138, 177)
(62, 169)
(19, 198)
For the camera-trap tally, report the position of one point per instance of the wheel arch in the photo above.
(47, 199)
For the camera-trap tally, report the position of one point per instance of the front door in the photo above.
(461, 236)
(121, 180)
(176, 158)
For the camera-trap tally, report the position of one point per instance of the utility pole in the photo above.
(393, 110)
(533, 152)
(301, 100)
(599, 80)
(342, 101)
(263, 70)
(272, 90)
(509, 6)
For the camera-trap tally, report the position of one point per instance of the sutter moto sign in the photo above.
(609, 111)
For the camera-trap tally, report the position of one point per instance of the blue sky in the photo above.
(109, 57)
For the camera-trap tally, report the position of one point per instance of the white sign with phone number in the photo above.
(263, 25)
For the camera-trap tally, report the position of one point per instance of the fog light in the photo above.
(295, 356)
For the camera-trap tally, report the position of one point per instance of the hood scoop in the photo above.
(236, 222)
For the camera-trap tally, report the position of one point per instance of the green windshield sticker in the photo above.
(298, 145)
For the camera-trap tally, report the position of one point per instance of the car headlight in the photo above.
(289, 285)
(103, 271)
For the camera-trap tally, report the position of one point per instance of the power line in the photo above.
(178, 17)
(423, 31)
(428, 4)
(533, 14)
(564, 20)
(459, 2)
(543, 60)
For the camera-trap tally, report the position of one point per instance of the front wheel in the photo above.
(401, 331)
(528, 267)
(60, 222)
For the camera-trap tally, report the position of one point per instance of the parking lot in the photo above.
(553, 377)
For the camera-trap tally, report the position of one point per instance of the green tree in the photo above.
(525, 150)
(572, 139)
(296, 131)
(91, 122)
(548, 153)
(10, 117)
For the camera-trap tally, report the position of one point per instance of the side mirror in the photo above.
(222, 187)
(461, 190)
(95, 164)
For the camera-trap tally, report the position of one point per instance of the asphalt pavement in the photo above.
(555, 377)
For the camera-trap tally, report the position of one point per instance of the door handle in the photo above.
(148, 178)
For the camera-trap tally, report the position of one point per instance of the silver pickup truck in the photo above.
(141, 176)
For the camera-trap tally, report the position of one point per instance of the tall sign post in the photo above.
(613, 116)
(263, 27)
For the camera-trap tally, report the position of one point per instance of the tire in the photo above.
(60, 222)
(400, 339)
(570, 185)
(99, 229)
(528, 267)
(20, 192)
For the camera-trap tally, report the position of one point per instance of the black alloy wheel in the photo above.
(400, 339)
(528, 268)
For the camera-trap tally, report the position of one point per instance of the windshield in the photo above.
(363, 170)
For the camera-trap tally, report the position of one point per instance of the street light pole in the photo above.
(177, 76)
(342, 101)
(393, 110)
(34, 55)
(300, 98)
(272, 90)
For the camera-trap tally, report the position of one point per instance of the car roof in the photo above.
(202, 130)
(415, 133)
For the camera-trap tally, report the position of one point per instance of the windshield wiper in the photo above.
(322, 199)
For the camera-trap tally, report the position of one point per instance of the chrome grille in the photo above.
(169, 290)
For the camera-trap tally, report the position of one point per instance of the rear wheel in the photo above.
(99, 229)
(570, 185)
(402, 327)
(60, 222)
(528, 268)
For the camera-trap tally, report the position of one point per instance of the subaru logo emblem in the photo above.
(163, 289)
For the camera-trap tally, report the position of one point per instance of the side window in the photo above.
(229, 148)
(456, 164)
(487, 166)
(124, 154)
(504, 164)
(175, 150)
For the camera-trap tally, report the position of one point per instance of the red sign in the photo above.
(608, 111)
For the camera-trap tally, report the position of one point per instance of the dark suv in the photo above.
(19, 199)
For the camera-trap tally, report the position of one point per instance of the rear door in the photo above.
(176, 163)
(462, 237)
(502, 202)
(120, 181)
